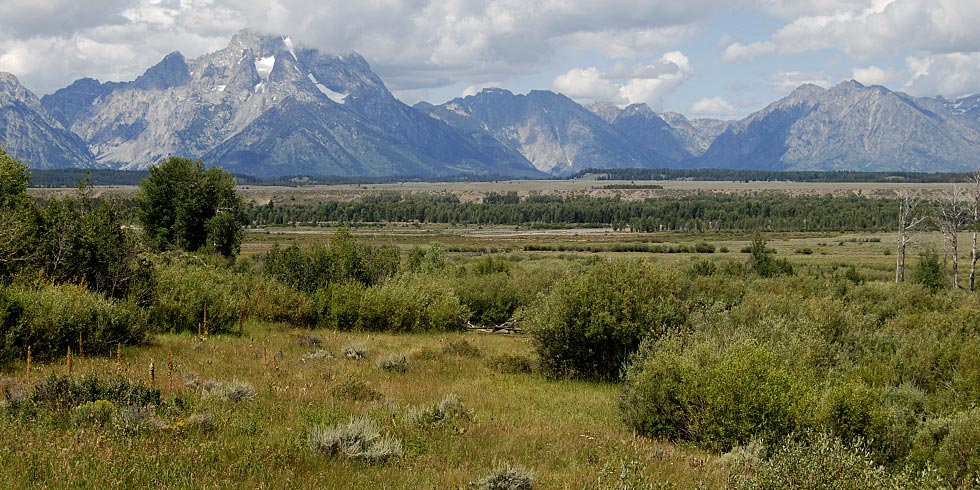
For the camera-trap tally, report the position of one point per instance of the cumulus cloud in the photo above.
(881, 27)
(716, 107)
(788, 81)
(951, 75)
(873, 75)
(586, 85)
(626, 84)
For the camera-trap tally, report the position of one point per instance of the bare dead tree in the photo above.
(952, 210)
(907, 221)
(975, 226)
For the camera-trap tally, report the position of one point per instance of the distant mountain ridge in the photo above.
(268, 107)
(29, 133)
(265, 106)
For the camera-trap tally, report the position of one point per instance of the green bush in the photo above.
(411, 303)
(344, 260)
(491, 298)
(50, 318)
(717, 396)
(952, 444)
(63, 393)
(184, 293)
(929, 271)
(338, 305)
(763, 262)
(590, 323)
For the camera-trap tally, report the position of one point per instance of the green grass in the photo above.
(566, 432)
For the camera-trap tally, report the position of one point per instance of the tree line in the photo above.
(705, 212)
(712, 174)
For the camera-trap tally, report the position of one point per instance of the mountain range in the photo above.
(266, 106)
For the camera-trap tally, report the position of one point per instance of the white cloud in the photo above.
(737, 50)
(630, 43)
(883, 27)
(788, 81)
(586, 85)
(951, 75)
(713, 107)
(626, 84)
(873, 75)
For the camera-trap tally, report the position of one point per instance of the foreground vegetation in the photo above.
(159, 358)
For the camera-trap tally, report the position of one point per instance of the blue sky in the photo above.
(702, 58)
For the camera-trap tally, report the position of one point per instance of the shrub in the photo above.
(184, 292)
(461, 348)
(929, 271)
(427, 259)
(704, 248)
(97, 413)
(448, 412)
(512, 364)
(60, 392)
(702, 268)
(824, 461)
(763, 262)
(233, 391)
(338, 305)
(589, 323)
(951, 443)
(344, 260)
(355, 352)
(491, 265)
(506, 477)
(410, 304)
(394, 363)
(356, 391)
(719, 397)
(491, 298)
(51, 318)
(357, 439)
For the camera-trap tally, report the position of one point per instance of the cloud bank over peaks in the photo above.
(623, 84)
(713, 107)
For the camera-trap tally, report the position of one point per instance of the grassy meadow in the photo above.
(337, 357)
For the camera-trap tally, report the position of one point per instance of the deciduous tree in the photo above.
(182, 205)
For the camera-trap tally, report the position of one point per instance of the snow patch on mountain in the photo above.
(334, 96)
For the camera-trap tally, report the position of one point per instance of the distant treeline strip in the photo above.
(72, 176)
(707, 212)
(711, 174)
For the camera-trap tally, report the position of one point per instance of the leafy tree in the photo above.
(13, 181)
(19, 218)
(182, 205)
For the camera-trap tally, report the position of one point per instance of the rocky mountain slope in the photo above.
(265, 106)
(849, 127)
(32, 135)
(268, 107)
(695, 134)
(553, 132)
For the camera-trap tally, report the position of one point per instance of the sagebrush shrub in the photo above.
(393, 363)
(822, 461)
(359, 438)
(448, 412)
(506, 476)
